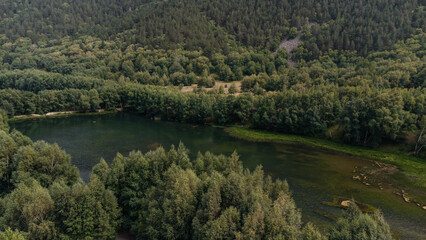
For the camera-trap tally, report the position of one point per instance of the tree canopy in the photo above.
(154, 195)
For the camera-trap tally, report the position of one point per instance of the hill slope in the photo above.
(342, 24)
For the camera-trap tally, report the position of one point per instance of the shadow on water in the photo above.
(314, 175)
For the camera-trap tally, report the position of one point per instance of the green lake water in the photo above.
(314, 175)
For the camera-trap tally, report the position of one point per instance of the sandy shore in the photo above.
(59, 113)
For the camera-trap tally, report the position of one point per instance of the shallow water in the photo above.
(314, 175)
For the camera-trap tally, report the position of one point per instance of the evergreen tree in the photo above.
(357, 225)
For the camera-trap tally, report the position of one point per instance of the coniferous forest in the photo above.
(356, 76)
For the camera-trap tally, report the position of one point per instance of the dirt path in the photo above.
(289, 45)
(56, 113)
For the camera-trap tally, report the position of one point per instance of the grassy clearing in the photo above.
(29, 117)
(412, 167)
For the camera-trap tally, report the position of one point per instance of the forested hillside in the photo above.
(360, 79)
(214, 25)
(370, 99)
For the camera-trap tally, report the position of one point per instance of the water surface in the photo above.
(314, 175)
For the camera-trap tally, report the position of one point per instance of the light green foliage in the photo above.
(63, 212)
(44, 162)
(9, 145)
(226, 226)
(411, 166)
(164, 195)
(309, 232)
(29, 209)
(284, 220)
(3, 121)
(20, 139)
(292, 33)
(128, 69)
(232, 89)
(9, 234)
(421, 139)
(356, 225)
(128, 178)
(85, 211)
(175, 206)
(95, 101)
(372, 99)
(69, 209)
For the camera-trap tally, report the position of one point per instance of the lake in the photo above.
(314, 175)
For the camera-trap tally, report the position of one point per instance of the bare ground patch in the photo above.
(218, 84)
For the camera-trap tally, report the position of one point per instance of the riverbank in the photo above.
(314, 175)
(414, 169)
(62, 114)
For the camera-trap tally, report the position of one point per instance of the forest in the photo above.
(157, 195)
(369, 100)
(358, 78)
(215, 26)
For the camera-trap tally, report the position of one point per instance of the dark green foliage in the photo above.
(84, 55)
(371, 99)
(83, 211)
(164, 195)
(213, 25)
(364, 25)
(42, 197)
(157, 195)
(37, 80)
(17, 102)
(63, 212)
(9, 145)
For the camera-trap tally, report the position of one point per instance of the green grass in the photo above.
(412, 167)
(15, 119)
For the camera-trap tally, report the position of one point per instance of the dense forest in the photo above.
(218, 25)
(157, 195)
(359, 77)
(369, 99)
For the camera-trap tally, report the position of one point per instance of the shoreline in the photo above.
(62, 114)
(413, 169)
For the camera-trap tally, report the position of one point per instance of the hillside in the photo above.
(340, 75)
(214, 25)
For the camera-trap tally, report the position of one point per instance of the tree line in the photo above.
(155, 195)
(87, 62)
(84, 62)
(368, 99)
(365, 115)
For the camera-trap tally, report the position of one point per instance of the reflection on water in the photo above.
(314, 175)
